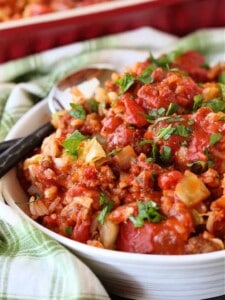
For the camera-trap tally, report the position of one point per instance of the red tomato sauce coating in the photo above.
(144, 170)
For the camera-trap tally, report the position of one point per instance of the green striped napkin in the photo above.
(33, 266)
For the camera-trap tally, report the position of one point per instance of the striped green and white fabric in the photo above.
(33, 266)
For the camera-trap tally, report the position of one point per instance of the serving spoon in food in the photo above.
(86, 80)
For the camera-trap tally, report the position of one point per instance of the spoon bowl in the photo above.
(86, 80)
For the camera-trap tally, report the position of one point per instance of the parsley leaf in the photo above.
(216, 105)
(144, 142)
(165, 132)
(146, 211)
(71, 144)
(198, 99)
(125, 82)
(173, 107)
(164, 60)
(102, 198)
(69, 230)
(92, 105)
(107, 206)
(77, 111)
(182, 130)
(222, 89)
(154, 113)
(145, 76)
(222, 77)
(215, 138)
(165, 155)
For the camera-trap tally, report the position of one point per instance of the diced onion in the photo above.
(191, 189)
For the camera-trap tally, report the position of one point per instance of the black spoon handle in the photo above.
(6, 144)
(12, 156)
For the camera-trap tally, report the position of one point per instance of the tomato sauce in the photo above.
(144, 172)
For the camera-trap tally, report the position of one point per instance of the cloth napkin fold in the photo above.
(33, 266)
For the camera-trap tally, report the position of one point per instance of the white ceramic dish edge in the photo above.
(138, 276)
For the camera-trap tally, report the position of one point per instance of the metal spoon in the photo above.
(17, 149)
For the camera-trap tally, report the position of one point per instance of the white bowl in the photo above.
(135, 276)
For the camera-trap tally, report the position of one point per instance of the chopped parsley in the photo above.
(165, 154)
(155, 113)
(125, 82)
(69, 230)
(114, 152)
(221, 78)
(182, 130)
(144, 142)
(128, 79)
(165, 132)
(147, 211)
(215, 104)
(71, 144)
(222, 89)
(164, 60)
(214, 138)
(92, 105)
(209, 157)
(102, 198)
(198, 99)
(154, 152)
(173, 107)
(77, 111)
(107, 206)
(145, 76)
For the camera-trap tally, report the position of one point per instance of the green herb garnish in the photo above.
(77, 111)
(145, 142)
(148, 211)
(69, 230)
(221, 77)
(182, 131)
(153, 114)
(214, 138)
(154, 149)
(216, 105)
(114, 152)
(107, 206)
(166, 132)
(71, 144)
(145, 76)
(125, 82)
(165, 154)
(209, 157)
(222, 89)
(173, 107)
(92, 105)
(198, 99)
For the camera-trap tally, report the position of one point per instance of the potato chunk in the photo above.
(191, 189)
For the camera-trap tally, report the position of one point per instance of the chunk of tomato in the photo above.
(134, 113)
(152, 238)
